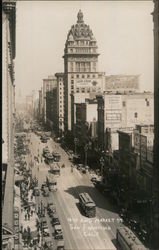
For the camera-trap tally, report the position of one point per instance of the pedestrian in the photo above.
(25, 216)
(28, 216)
(21, 228)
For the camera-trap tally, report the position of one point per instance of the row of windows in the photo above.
(114, 117)
(83, 50)
(87, 90)
(147, 103)
(81, 43)
(84, 76)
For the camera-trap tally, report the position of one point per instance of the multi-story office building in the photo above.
(122, 111)
(80, 66)
(48, 84)
(40, 107)
(8, 121)
(86, 121)
(51, 109)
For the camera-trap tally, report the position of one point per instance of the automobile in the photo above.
(45, 151)
(46, 232)
(48, 244)
(52, 211)
(36, 191)
(94, 178)
(84, 171)
(44, 140)
(46, 192)
(60, 245)
(49, 204)
(70, 157)
(49, 158)
(58, 232)
(44, 224)
(80, 166)
(43, 186)
(55, 220)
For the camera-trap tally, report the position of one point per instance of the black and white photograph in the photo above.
(80, 125)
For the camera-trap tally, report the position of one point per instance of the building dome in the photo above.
(80, 31)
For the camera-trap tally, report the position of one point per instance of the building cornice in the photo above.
(9, 8)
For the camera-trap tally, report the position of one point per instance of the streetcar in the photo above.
(87, 204)
(127, 240)
(51, 182)
(49, 158)
(55, 168)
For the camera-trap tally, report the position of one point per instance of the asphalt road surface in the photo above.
(79, 232)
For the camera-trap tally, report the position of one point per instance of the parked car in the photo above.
(46, 232)
(36, 191)
(55, 220)
(46, 192)
(94, 178)
(44, 224)
(60, 245)
(58, 232)
(43, 186)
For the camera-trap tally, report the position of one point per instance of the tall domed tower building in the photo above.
(81, 76)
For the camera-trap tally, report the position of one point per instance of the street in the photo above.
(79, 231)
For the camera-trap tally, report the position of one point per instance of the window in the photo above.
(72, 82)
(72, 76)
(77, 76)
(82, 76)
(77, 90)
(147, 103)
(135, 114)
(114, 116)
(94, 76)
(124, 104)
(83, 90)
(72, 87)
(88, 76)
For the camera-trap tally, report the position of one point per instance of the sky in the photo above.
(123, 30)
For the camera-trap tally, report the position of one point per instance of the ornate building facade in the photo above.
(8, 127)
(80, 67)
